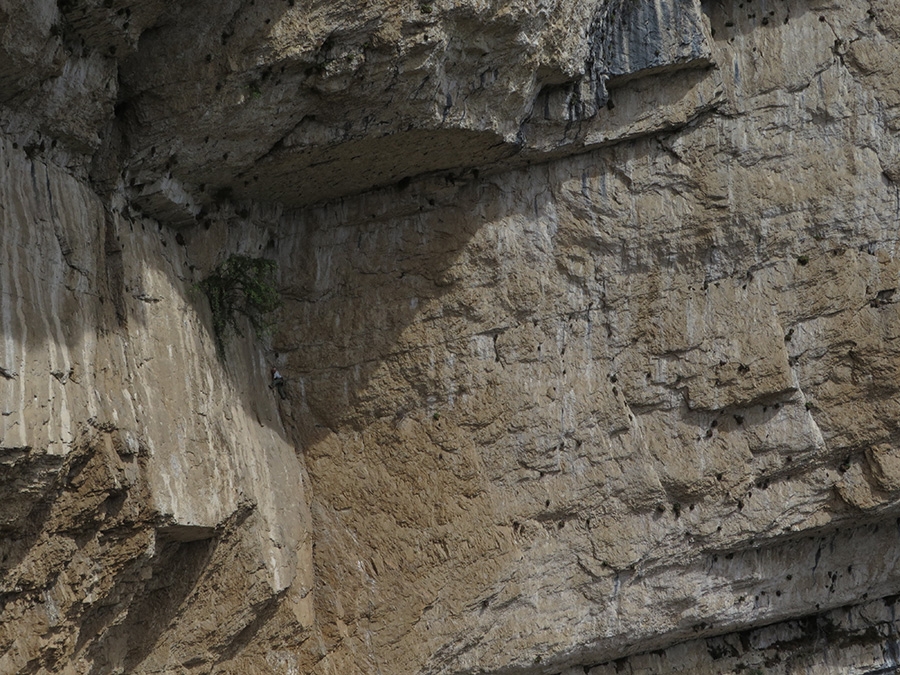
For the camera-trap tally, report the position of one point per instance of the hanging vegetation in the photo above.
(241, 286)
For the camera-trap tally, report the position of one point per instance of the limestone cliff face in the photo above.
(590, 334)
(134, 467)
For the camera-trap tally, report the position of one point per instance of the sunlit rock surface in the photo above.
(590, 335)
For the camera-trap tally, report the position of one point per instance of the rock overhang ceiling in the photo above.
(277, 101)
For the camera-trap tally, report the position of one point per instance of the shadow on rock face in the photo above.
(154, 594)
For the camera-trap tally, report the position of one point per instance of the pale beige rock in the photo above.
(121, 428)
(590, 345)
(884, 463)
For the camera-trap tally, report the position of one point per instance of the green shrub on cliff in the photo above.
(245, 286)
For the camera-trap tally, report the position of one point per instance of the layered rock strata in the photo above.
(589, 332)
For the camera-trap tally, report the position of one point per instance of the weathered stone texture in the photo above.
(590, 338)
(128, 489)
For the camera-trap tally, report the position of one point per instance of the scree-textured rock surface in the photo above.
(590, 332)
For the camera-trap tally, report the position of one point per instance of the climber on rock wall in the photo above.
(277, 383)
